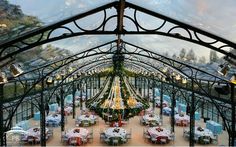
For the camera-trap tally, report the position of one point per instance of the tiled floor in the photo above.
(137, 133)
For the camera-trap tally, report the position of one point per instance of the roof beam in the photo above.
(120, 18)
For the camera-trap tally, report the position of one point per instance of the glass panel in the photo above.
(201, 13)
(19, 16)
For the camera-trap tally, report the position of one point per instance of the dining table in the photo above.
(115, 132)
(151, 118)
(78, 133)
(182, 119)
(159, 133)
(200, 133)
(54, 119)
(90, 118)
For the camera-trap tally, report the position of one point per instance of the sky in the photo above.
(215, 16)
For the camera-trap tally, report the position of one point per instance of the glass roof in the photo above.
(215, 16)
(201, 13)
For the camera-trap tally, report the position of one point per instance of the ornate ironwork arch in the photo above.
(43, 35)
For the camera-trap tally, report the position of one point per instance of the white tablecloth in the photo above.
(54, 118)
(35, 132)
(77, 132)
(153, 131)
(90, 118)
(182, 118)
(115, 132)
(151, 117)
(204, 132)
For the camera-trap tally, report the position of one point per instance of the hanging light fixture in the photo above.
(173, 73)
(15, 70)
(165, 69)
(224, 69)
(70, 69)
(58, 76)
(3, 78)
(49, 80)
(184, 80)
(178, 77)
(233, 79)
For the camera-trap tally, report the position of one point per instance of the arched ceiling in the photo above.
(212, 15)
(124, 24)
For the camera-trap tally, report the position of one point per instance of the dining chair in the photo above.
(147, 137)
(64, 139)
(185, 123)
(206, 140)
(102, 136)
(37, 140)
(178, 123)
(115, 141)
(186, 135)
(77, 122)
(196, 139)
(96, 120)
(55, 124)
(172, 137)
(144, 132)
(84, 140)
(30, 141)
(128, 135)
(215, 139)
(106, 140)
(142, 122)
(154, 140)
(90, 135)
(123, 140)
(163, 140)
(73, 141)
(92, 122)
(85, 124)
(50, 132)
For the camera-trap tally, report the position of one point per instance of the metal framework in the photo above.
(134, 56)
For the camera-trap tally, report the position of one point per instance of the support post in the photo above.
(99, 82)
(148, 88)
(173, 109)
(81, 91)
(233, 120)
(2, 136)
(86, 89)
(153, 95)
(93, 85)
(42, 116)
(161, 101)
(90, 86)
(144, 88)
(192, 118)
(74, 90)
(62, 109)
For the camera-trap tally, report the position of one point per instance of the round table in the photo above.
(182, 120)
(151, 118)
(79, 134)
(115, 132)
